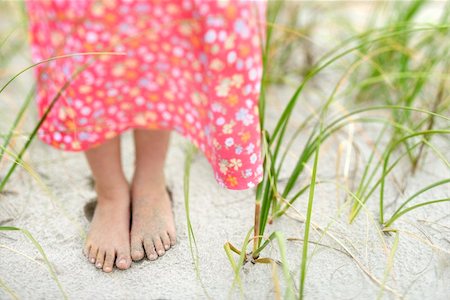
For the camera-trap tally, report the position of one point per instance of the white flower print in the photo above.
(229, 142)
(253, 158)
(244, 116)
(250, 148)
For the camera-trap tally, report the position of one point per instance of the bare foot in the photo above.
(108, 240)
(153, 227)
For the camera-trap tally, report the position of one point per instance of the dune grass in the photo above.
(407, 113)
(50, 267)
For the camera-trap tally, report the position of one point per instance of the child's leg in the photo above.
(109, 233)
(153, 227)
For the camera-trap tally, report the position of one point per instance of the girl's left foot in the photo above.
(153, 227)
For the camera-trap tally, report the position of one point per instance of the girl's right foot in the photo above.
(108, 240)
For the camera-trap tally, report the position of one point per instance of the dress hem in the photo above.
(247, 184)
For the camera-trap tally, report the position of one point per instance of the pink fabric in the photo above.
(192, 66)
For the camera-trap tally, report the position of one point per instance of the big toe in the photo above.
(123, 260)
(137, 249)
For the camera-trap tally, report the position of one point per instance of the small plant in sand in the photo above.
(406, 112)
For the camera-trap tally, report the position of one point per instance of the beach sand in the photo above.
(348, 263)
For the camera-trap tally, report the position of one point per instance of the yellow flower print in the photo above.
(57, 39)
(118, 70)
(224, 4)
(62, 113)
(216, 144)
(235, 164)
(215, 49)
(185, 28)
(150, 115)
(232, 100)
(244, 50)
(131, 63)
(223, 88)
(110, 100)
(131, 75)
(232, 180)
(245, 136)
(169, 95)
(97, 9)
(134, 92)
(229, 42)
(110, 134)
(71, 126)
(216, 65)
(85, 89)
(140, 119)
(76, 145)
(228, 128)
(237, 80)
(195, 98)
(223, 166)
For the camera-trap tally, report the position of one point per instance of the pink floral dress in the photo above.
(191, 66)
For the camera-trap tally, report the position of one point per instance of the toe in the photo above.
(158, 245)
(123, 260)
(86, 249)
(137, 249)
(173, 238)
(109, 261)
(166, 240)
(150, 249)
(93, 254)
(100, 259)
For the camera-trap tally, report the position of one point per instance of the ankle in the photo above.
(150, 179)
(112, 189)
(147, 190)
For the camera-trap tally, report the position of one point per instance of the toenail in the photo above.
(122, 261)
(160, 252)
(92, 260)
(153, 256)
(107, 269)
(166, 246)
(99, 265)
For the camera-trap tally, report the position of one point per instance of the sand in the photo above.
(51, 206)
(421, 270)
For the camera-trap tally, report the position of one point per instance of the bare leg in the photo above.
(153, 227)
(108, 235)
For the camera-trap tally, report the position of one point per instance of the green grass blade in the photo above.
(399, 214)
(41, 251)
(19, 117)
(8, 290)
